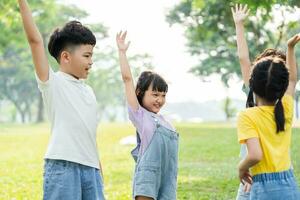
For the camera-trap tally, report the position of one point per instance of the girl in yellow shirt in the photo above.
(240, 14)
(265, 128)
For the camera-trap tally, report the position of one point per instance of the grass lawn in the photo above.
(207, 161)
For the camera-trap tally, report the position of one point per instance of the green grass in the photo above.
(207, 161)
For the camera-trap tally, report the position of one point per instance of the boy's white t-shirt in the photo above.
(72, 110)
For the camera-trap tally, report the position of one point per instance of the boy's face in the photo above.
(80, 61)
(153, 101)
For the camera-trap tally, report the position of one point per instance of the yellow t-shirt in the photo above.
(259, 122)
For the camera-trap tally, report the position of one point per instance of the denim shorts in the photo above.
(275, 186)
(64, 180)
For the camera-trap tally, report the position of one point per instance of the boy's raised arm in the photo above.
(35, 41)
(126, 72)
(291, 64)
(239, 13)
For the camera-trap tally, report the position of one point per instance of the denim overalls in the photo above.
(155, 173)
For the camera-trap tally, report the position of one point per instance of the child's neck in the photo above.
(263, 102)
(64, 70)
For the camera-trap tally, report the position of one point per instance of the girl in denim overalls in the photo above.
(156, 154)
(265, 127)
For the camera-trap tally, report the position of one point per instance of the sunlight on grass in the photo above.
(207, 160)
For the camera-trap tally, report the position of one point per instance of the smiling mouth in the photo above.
(157, 106)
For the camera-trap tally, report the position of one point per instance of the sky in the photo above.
(149, 33)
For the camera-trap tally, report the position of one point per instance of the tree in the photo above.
(15, 58)
(17, 83)
(209, 29)
(228, 108)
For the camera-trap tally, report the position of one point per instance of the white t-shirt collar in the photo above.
(69, 77)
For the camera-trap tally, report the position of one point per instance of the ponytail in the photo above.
(250, 99)
(279, 116)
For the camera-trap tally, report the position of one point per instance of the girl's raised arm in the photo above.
(239, 14)
(125, 71)
(291, 64)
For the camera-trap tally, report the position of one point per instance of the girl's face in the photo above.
(153, 101)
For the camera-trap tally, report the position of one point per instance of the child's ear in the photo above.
(65, 57)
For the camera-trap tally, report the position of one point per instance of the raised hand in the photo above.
(294, 40)
(120, 38)
(240, 13)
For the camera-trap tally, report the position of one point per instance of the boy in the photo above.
(71, 162)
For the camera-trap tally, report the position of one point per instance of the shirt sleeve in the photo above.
(46, 88)
(144, 123)
(136, 117)
(245, 128)
(44, 85)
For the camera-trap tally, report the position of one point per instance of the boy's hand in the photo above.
(239, 13)
(120, 38)
(245, 176)
(293, 41)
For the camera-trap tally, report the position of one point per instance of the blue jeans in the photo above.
(275, 186)
(64, 180)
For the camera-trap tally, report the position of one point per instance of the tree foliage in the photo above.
(210, 31)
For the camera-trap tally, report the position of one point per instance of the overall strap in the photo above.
(156, 121)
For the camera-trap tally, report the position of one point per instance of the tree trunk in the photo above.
(23, 115)
(40, 114)
(28, 111)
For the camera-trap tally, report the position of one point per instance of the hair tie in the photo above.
(277, 101)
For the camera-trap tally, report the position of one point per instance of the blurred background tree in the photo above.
(18, 88)
(210, 32)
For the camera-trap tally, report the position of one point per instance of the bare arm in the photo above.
(126, 72)
(35, 41)
(292, 64)
(253, 157)
(239, 14)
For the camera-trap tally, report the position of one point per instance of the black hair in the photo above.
(269, 80)
(72, 34)
(147, 79)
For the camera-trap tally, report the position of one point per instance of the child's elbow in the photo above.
(35, 40)
(256, 157)
(126, 79)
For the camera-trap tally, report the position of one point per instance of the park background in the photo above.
(189, 42)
